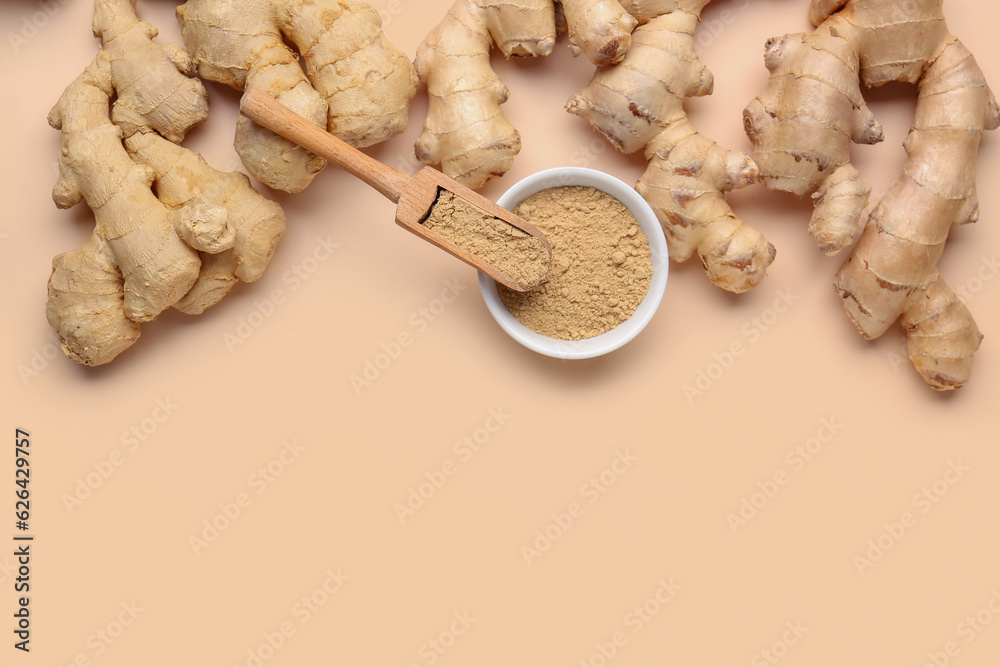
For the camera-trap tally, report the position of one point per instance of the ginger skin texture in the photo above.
(234, 228)
(635, 100)
(465, 131)
(184, 245)
(802, 127)
(135, 265)
(151, 93)
(639, 105)
(357, 84)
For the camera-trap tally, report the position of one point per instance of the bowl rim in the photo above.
(625, 332)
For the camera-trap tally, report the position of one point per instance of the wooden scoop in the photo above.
(415, 196)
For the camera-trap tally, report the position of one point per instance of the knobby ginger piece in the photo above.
(802, 127)
(357, 84)
(170, 231)
(465, 131)
(638, 104)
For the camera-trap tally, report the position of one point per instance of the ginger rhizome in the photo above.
(815, 94)
(802, 127)
(356, 84)
(465, 132)
(638, 104)
(635, 99)
(233, 227)
(184, 245)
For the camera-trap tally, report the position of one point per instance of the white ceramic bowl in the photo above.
(627, 330)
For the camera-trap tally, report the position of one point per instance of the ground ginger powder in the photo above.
(515, 252)
(601, 264)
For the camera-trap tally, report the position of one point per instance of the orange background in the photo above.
(186, 424)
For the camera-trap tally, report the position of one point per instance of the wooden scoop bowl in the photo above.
(415, 196)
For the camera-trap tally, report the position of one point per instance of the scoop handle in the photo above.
(268, 112)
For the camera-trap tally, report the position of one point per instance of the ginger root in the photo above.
(635, 99)
(358, 86)
(135, 265)
(815, 96)
(638, 104)
(151, 93)
(183, 246)
(802, 127)
(234, 228)
(465, 131)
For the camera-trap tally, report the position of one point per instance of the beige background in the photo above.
(209, 417)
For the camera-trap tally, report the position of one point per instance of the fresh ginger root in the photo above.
(150, 92)
(600, 29)
(465, 131)
(638, 104)
(358, 86)
(233, 227)
(135, 265)
(803, 125)
(184, 246)
(635, 99)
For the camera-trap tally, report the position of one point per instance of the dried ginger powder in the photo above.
(601, 264)
(516, 253)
